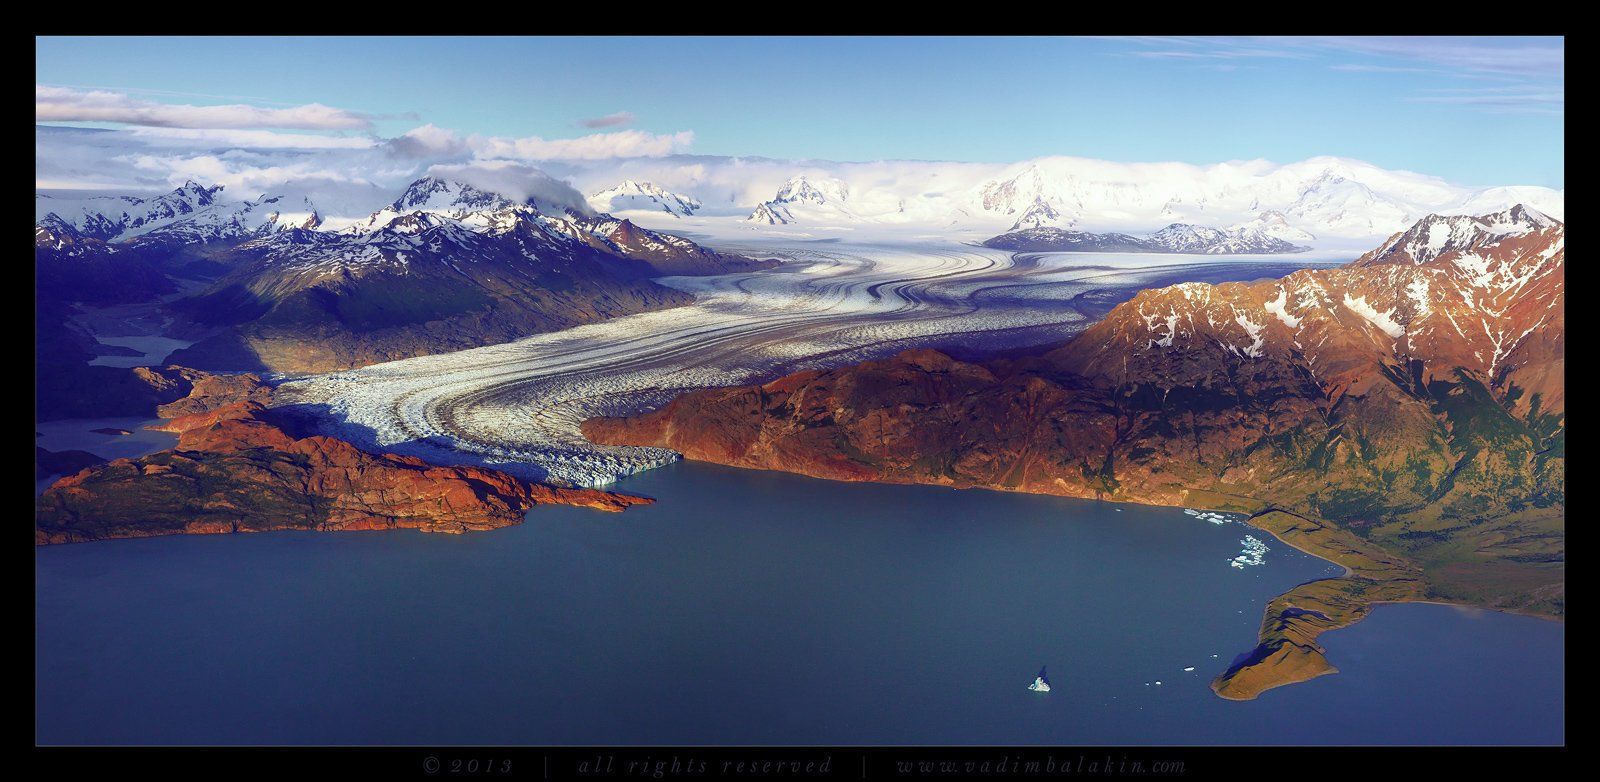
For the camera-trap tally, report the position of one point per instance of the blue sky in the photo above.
(1474, 111)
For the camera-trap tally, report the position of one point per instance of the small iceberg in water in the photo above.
(1205, 515)
(1254, 553)
(1041, 683)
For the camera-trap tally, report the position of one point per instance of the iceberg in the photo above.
(1254, 553)
(1041, 683)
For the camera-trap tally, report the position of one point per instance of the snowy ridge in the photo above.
(1248, 238)
(1334, 201)
(1437, 235)
(453, 201)
(190, 214)
(1466, 292)
(1332, 198)
(1253, 237)
(1272, 223)
(643, 196)
(806, 199)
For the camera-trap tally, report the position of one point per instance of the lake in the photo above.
(751, 607)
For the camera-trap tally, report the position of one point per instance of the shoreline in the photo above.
(1287, 652)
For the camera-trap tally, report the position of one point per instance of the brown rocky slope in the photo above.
(238, 468)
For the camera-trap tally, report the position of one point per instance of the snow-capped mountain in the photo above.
(1186, 238)
(1272, 223)
(63, 240)
(109, 217)
(631, 196)
(1250, 238)
(1324, 199)
(435, 214)
(446, 266)
(1460, 236)
(1330, 201)
(1482, 293)
(190, 214)
(1035, 196)
(1551, 203)
(806, 199)
(1040, 214)
(1344, 206)
(454, 201)
(1048, 239)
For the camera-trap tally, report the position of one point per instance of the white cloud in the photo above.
(245, 139)
(428, 141)
(432, 142)
(65, 104)
(609, 120)
(596, 146)
(347, 176)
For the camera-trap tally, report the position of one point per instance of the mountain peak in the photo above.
(432, 193)
(814, 196)
(801, 189)
(1437, 236)
(1041, 214)
(632, 195)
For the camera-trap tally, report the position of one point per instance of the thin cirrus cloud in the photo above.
(66, 104)
(1534, 67)
(609, 120)
(1204, 49)
(1539, 59)
(1506, 100)
(1356, 67)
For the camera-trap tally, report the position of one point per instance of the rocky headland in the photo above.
(241, 467)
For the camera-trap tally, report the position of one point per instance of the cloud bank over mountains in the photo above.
(335, 159)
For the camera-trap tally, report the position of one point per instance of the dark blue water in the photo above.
(750, 608)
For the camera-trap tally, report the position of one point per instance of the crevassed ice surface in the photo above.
(517, 406)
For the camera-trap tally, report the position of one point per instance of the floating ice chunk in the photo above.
(1254, 553)
(1211, 516)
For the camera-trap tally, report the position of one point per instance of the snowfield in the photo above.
(517, 406)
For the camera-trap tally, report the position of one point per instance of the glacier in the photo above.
(517, 406)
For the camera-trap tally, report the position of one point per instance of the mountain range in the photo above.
(445, 266)
(1263, 235)
(1337, 199)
